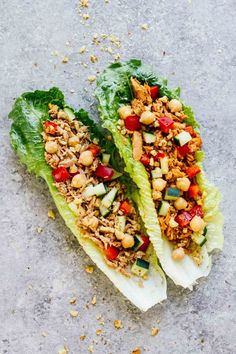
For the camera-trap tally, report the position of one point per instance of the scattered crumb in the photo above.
(109, 50)
(39, 230)
(82, 337)
(89, 269)
(154, 331)
(99, 316)
(92, 78)
(99, 332)
(106, 1)
(82, 49)
(90, 348)
(84, 64)
(136, 351)
(93, 58)
(72, 91)
(115, 40)
(54, 53)
(86, 16)
(72, 300)
(64, 350)
(65, 60)
(44, 334)
(74, 313)
(51, 214)
(84, 3)
(144, 26)
(96, 41)
(158, 321)
(94, 300)
(104, 36)
(116, 56)
(118, 324)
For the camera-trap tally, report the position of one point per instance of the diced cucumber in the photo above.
(199, 239)
(100, 189)
(103, 210)
(121, 222)
(140, 267)
(164, 165)
(156, 173)
(182, 138)
(109, 198)
(105, 159)
(172, 194)
(88, 191)
(137, 243)
(149, 138)
(116, 174)
(70, 113)
(164, 207)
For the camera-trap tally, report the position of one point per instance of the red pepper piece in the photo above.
(183, 219)
(146, 242)
(154, 92)
(126, 207)
(166, 124)
(193, 190)
(60, 174)
(104, 172)
(159, 155)
(145, 160)
(132, 123)
(111, 252)
(193, 171)
(50, 127)
(190, 130)
(95, 149)
(196, 210)
(183, 150)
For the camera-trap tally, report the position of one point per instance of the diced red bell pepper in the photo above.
(183, 150)
(193, 190)
(95, 149)
(166, 124)
(183, 219)
(146, 242)
(104, 172)
(145, 160)
(111, 252)
(60, 174)
(126, 207)
(50, 127)
(190, 130)
(193, 171)
(159, 155)
(154, 92)
(132, 123)
(196, 210)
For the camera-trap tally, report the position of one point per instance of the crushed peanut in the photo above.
(73, 300)
(51, 214)
(65, 60)
(94, 300)
(154, 331)
(118, 324)
(74, 313)
(99, 332)
(89, 269)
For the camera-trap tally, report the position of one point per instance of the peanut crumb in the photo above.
(94, 300)
(51, 214)
(91, 78)
(64, 350)
(86, 16)
(90, 348)
(39, 230)
(54, 53)
(73, 300)
(93, 58)
(98, 332)
(44, 334)
(89, 269)
(154, 331)
(82, 49)
(84, 3)
(74, 313)
(116, 56)
(136, 351)
(118, 324)
(65, 60)
(82, 337)
(144, 26)
(99, 316)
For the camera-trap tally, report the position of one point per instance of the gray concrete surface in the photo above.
(40, 272)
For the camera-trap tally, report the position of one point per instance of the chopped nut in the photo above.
(93, 58)
(98, 332)
(82, 337)
(51, 214)
(99, 316)
(90, 348)
(72, 300)
(116, 56)
(136, 351)
(74, 313)
(65, 60)
(44, 334)
(84, 3)
(94, 300)
(118, 324)
(85, 16)
(91, 78)
(89, 269)
(144, 26)
(39, 230)
(64, 350)
(82, 49)
(154, 331)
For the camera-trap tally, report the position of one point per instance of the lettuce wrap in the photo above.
(28, 114)
(113, 91)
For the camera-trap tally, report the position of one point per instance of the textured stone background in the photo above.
(40, 272)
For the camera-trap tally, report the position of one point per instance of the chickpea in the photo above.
(79, 180)
(125, 111)
(51, 147)
(178, 254)
(159, 184)
(183, 183)
(180, 203)
(197, 223)
(86, 158)
(128, 241)
(74, 140)
(119, 234)
(147, 117)
(175, 106)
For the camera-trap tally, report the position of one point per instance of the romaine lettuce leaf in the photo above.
(29, 112)
(113, 90)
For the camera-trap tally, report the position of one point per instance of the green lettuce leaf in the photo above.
(29, 112)
(113, 90)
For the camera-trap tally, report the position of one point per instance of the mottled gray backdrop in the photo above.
(193, 44)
